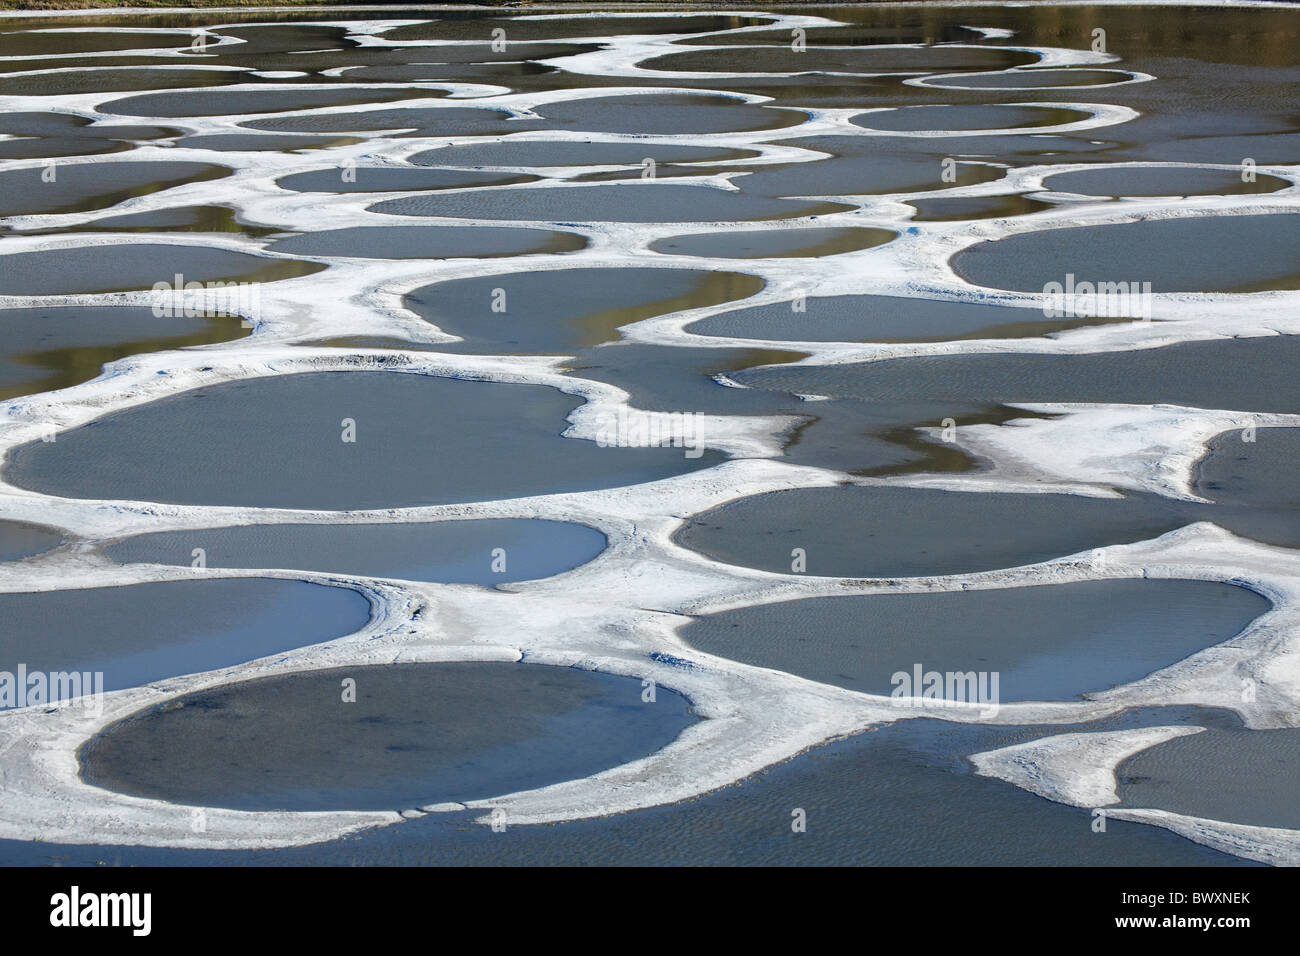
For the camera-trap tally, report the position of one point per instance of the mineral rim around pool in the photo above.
(485, 551)
(415, 734)
(1102, 633)
(563, 309)
(888, 531)
(49, 348)
(339, 441)
(146, 632)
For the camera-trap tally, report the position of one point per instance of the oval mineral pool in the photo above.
(1242, 374)
(140, 633)
(666, 114)
(401, 121)
(128, 266)
(430, 242)
(563, 310)
(567, 153)
(865, 60)
(608, 202)
(558, 27)
(84, 187)
(915, 119)
(240, 102)
(339, 441)
(885, 531)
(45, 349)
(1031, 79)
(775, 243)
(382, 179)
(880, 318)
(18, 539)
(1115, 181)
(1173, 255)
(1048, 642)
(1232, 775)
(487, 551)
(1250, 475)
(414, 735)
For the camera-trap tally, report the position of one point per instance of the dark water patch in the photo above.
(1246, 374)
(1161, 181)
(614, 202)
(123, 267)
(881, 318)
(480, 27)
(44, 349)
(775, 243)
(238, 102)
(18, 539)
(1035, 79)
(415, 734)
(671, 378)
(563, 310)
(124, 80)
(862, 174)
(446, 551)
(429, 242)
(544, 153)
(885, 797)
(393, 179)
(281, 441)
(147, 632)
(909, 532)
(1229, 774)
(508, 73)
(975, 207)
(406, 121)
(1050, 642)
(83, 187)
(51, 41)
(659, 114)
(268, 142)
(865, 60)
(1174, 255)
(205, 219)
(982, 117)
(1254, 468)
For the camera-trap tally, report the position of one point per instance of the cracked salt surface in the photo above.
(620, 612)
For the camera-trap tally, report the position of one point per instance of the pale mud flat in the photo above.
(820, 174)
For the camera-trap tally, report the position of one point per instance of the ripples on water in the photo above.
(692, 237)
